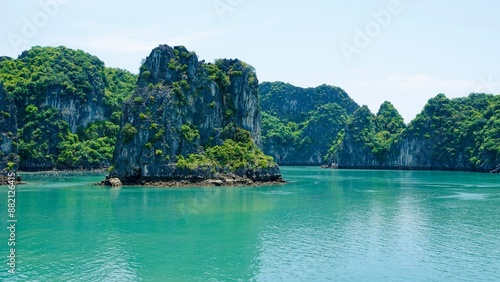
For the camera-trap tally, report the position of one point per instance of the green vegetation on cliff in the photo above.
(299, 125)
(68, 106)
(463, 132)
(389, 125)
(233, 155)
(460, 133)
(317, 125)
(43, 71)
(191, 120)
(367, 138)
(292, 103)
(120, 86)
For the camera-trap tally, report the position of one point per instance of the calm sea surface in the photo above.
(325, 225)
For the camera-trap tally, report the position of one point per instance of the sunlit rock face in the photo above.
(182, 105)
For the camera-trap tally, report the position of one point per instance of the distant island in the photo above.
(181, 120)
(323, 126)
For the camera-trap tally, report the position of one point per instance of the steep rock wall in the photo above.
(300, 124)
(180, 107)
(449, 134)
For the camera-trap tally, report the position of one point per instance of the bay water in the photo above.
(324, 225)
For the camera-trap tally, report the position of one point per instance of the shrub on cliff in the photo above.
(231, 156)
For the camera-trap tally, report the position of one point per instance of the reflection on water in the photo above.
(467, 196)
(324, 225)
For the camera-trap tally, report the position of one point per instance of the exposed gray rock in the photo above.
(111, 181)
(180, 106)
(75, 111)
(320, 112)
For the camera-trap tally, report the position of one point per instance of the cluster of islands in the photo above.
(183, 121)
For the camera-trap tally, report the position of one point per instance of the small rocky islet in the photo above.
(192, 123)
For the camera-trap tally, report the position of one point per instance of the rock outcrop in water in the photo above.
(187, 119)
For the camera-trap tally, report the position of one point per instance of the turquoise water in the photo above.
(325, 225)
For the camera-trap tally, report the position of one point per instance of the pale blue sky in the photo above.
(409, 53)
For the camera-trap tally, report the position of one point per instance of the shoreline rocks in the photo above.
(332, 166)
(4, 180)
(229, 180)
(111, 181)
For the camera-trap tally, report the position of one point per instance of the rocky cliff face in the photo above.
(294, 103)
(409, 153)
(300, 124)
(57, 113)
(59, 94)
(458, 134)
(77, 112)
(356, 146)
(8, 133)
(369, 142)
(180, 107)
(78, 96)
